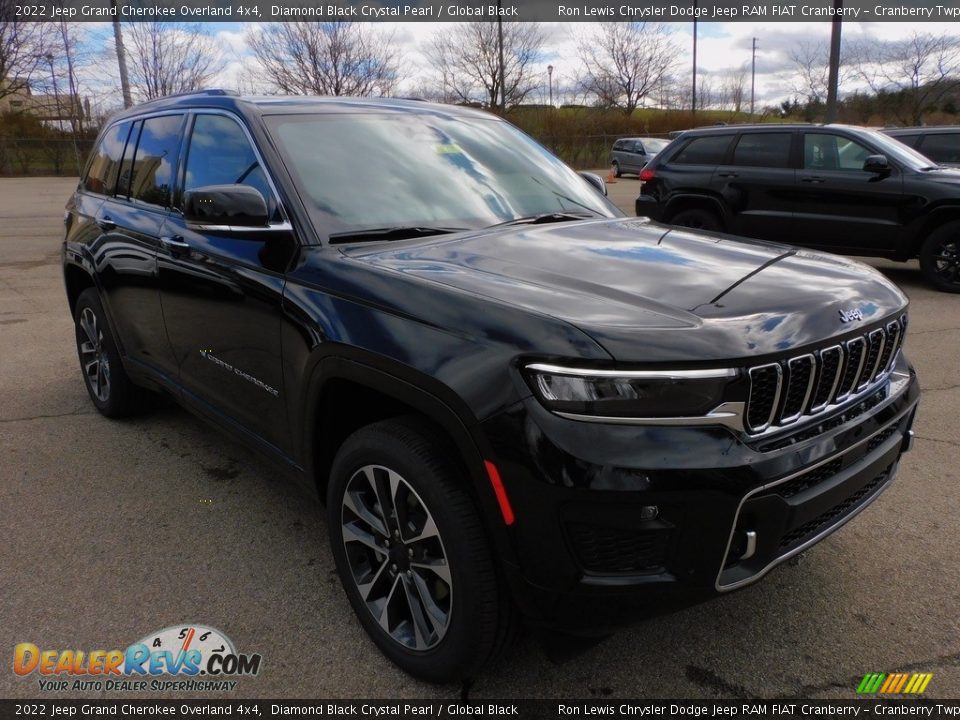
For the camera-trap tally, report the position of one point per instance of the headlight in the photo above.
(629, 393)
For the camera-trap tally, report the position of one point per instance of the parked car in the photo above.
(515, 402)
(629, 155)
(830, 187)
(940, 144)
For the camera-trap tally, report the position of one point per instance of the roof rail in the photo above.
(207, 92)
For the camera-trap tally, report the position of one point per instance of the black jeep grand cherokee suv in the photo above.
(829, 187)
(515, 402)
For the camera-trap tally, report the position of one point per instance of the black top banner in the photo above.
(945, 11)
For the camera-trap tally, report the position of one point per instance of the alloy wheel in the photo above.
(946, 261)
(396, 557)
(93, 357)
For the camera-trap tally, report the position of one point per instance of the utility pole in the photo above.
(121, 56)
(693, 104)
(550, 80)
(753, 77)
(833, 80)
(503, 79)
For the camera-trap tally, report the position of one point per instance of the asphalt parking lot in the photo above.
(111, 530)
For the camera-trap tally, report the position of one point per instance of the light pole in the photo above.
(833, 75)
(550, 82)
(693, 103)
(56, 94)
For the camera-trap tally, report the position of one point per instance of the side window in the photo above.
(155, 162)
(768, 150)
(220, 154)
(942, 147)
(910, 140)
(709, 150)
(102, 174)
(832, 152)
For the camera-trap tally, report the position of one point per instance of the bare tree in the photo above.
(167, 58)
(911, 75)
(733, 88)
(328, 58)
(468, 61)
(23, 50)
(625, 62)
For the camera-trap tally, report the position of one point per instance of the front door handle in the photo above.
(813, 179)
(106, 223)
(175, 244)
(728, 174)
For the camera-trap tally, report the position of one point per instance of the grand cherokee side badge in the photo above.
(850, 315)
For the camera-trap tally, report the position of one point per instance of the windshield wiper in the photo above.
(393, 232)
(543, 218)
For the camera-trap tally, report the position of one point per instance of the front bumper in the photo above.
(632, 520)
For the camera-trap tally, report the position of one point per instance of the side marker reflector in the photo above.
(500, 492)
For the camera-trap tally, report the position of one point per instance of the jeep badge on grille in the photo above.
(850, 315)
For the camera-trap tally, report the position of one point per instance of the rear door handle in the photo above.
(106, 223)
(813, 179)
(175, 244)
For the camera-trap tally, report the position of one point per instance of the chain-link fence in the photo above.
(42, 156)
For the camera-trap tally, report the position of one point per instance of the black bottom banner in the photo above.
(860, 708)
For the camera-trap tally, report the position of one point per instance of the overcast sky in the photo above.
(722, 47)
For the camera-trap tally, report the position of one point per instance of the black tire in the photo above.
(479, 618)
(940, 258)
(697, 219)
(616, 168)
(109, 387)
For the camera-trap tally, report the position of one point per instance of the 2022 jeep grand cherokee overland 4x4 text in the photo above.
(514, 401)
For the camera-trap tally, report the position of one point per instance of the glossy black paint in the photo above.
(853, 211)
(289, 342)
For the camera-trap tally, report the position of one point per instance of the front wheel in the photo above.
(109, 387)
(616, 169)
(940, 258)
(411, 552)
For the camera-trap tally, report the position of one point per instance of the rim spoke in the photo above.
(437, 567)
(384, 498)
(366, 588)
(429, 530)
(351, 533)
(384, 618)
(357, 507)
(435, 613)
(89, 324)
(89, 368)
(422, 623)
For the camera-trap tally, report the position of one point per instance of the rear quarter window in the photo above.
(101, 177)
(709, 150)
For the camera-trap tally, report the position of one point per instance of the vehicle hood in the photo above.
(626, 282)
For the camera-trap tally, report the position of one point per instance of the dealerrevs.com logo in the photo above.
(200, 658)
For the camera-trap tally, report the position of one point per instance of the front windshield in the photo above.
(896, 150)
(425, 170)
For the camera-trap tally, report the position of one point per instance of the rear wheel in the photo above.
(109, 387)
(940, 258)
(697, 219)
(411, 552)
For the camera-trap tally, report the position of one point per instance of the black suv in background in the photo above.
(831, 187)
(514, 401)
(940, 144)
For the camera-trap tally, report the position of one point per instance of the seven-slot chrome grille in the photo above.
(799, 387)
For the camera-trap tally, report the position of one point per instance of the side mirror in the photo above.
(876, 164)
(225, 206)
(598, 184)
